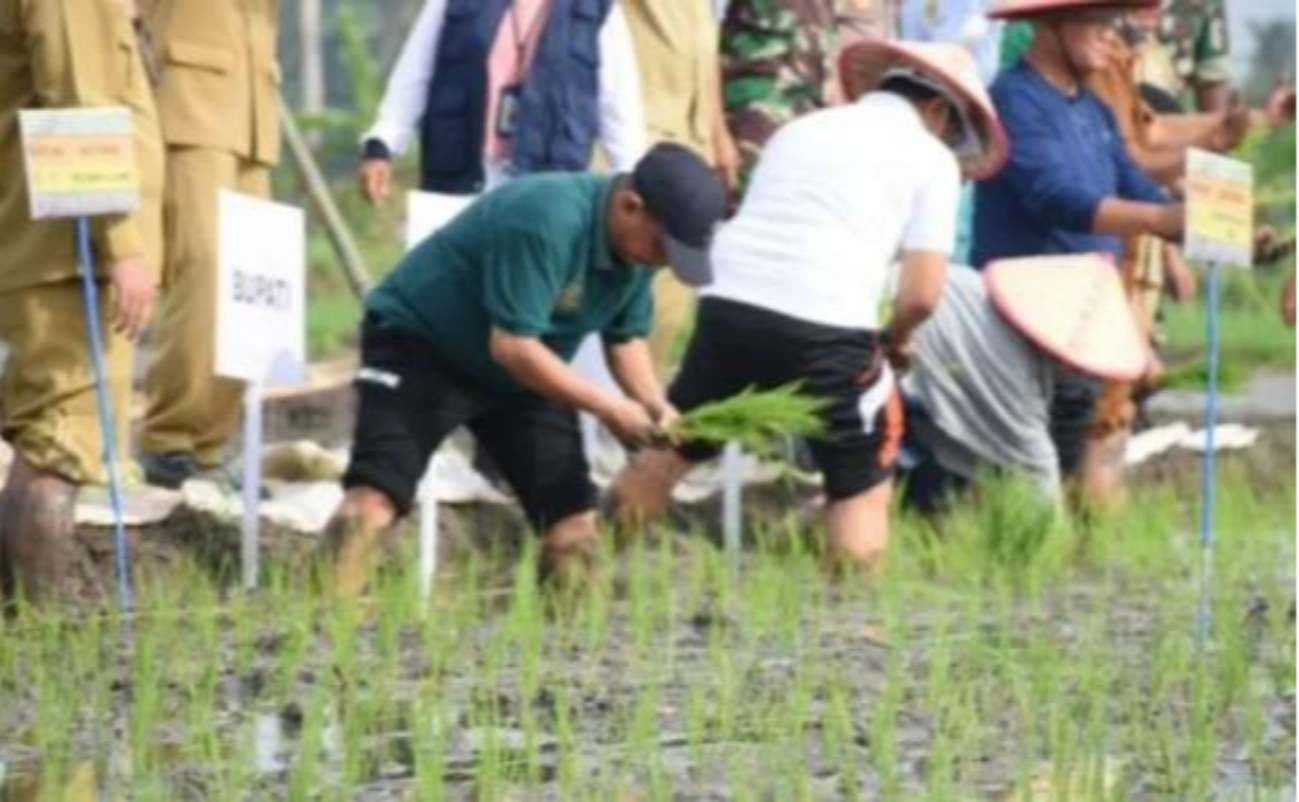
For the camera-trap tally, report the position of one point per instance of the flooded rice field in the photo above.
(1000, 657)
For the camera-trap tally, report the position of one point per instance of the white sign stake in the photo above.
(428, 535)
(732, 499)
(261, 326)
(250, 528)
(426, 212)
(1219, 232)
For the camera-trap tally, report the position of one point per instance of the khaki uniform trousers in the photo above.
(47, 388)
(190, 409)
(676, 49)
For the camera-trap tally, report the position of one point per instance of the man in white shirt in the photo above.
(800, 275)
(496, 88)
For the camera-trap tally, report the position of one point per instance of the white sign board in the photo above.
(261, 291)
(79, 162)
(1219, 210)
(426, 212)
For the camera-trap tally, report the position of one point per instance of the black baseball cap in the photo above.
(684, 194)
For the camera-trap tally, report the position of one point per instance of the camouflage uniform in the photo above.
(1194, 32)
(777, 64)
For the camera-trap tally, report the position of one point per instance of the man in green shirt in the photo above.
(476, 328)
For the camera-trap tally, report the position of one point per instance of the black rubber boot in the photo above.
(169, 469)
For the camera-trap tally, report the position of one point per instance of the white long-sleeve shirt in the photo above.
(623, 136)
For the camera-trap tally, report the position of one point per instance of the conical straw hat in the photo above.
(1074, 308)
(865, 64)
(1027, 9)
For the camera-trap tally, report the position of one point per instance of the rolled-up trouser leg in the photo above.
(50, 416)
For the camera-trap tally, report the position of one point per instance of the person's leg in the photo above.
(859, 451)
(569, 553)
(226, 404)
(927, 488)
(641, 491)
(354, 535)
(858, 530)
(51, 419)
(537, 444)
(1099, 486)
(1073, 412)
(36, 524)
(405, 409)
(190, 410)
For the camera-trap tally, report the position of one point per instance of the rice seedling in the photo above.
(754, 419)
(1001, 653)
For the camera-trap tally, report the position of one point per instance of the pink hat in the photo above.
(865, 65)
(1074, 308)
(1027, 9)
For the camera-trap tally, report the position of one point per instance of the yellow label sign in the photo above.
(80, 162)
(1219, 209)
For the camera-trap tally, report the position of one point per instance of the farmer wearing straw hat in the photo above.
(980, 388)
(1070, 186)
(66, 54)
(800, 274)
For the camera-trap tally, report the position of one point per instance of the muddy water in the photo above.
(524, 741)
(530, 741)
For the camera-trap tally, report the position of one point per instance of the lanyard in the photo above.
(525, 41)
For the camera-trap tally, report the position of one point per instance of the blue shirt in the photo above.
(1066, 157)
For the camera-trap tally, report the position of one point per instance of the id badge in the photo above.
(507, 111)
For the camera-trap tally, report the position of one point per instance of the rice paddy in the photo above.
(1003, 655)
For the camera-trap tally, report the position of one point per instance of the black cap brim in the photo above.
(692, 266)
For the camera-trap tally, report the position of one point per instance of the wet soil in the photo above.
(534, 728)
(576, 711)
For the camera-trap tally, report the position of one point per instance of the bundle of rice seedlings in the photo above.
(754, 419)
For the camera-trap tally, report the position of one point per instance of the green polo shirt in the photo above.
(531, 258)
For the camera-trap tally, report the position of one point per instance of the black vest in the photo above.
(559, 109)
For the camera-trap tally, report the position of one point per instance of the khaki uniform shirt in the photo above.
(219, 76)
(65, 54)
(677, 51)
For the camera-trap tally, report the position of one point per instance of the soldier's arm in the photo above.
(78, 50)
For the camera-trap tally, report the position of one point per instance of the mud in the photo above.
(575, 714)
(577, 719)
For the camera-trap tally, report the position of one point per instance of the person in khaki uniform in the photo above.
(65, 54)
(680, 73)
(218, 100)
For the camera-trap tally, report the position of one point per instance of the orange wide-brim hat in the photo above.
(1027, 9)
(1074, 308)
(864, 66)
